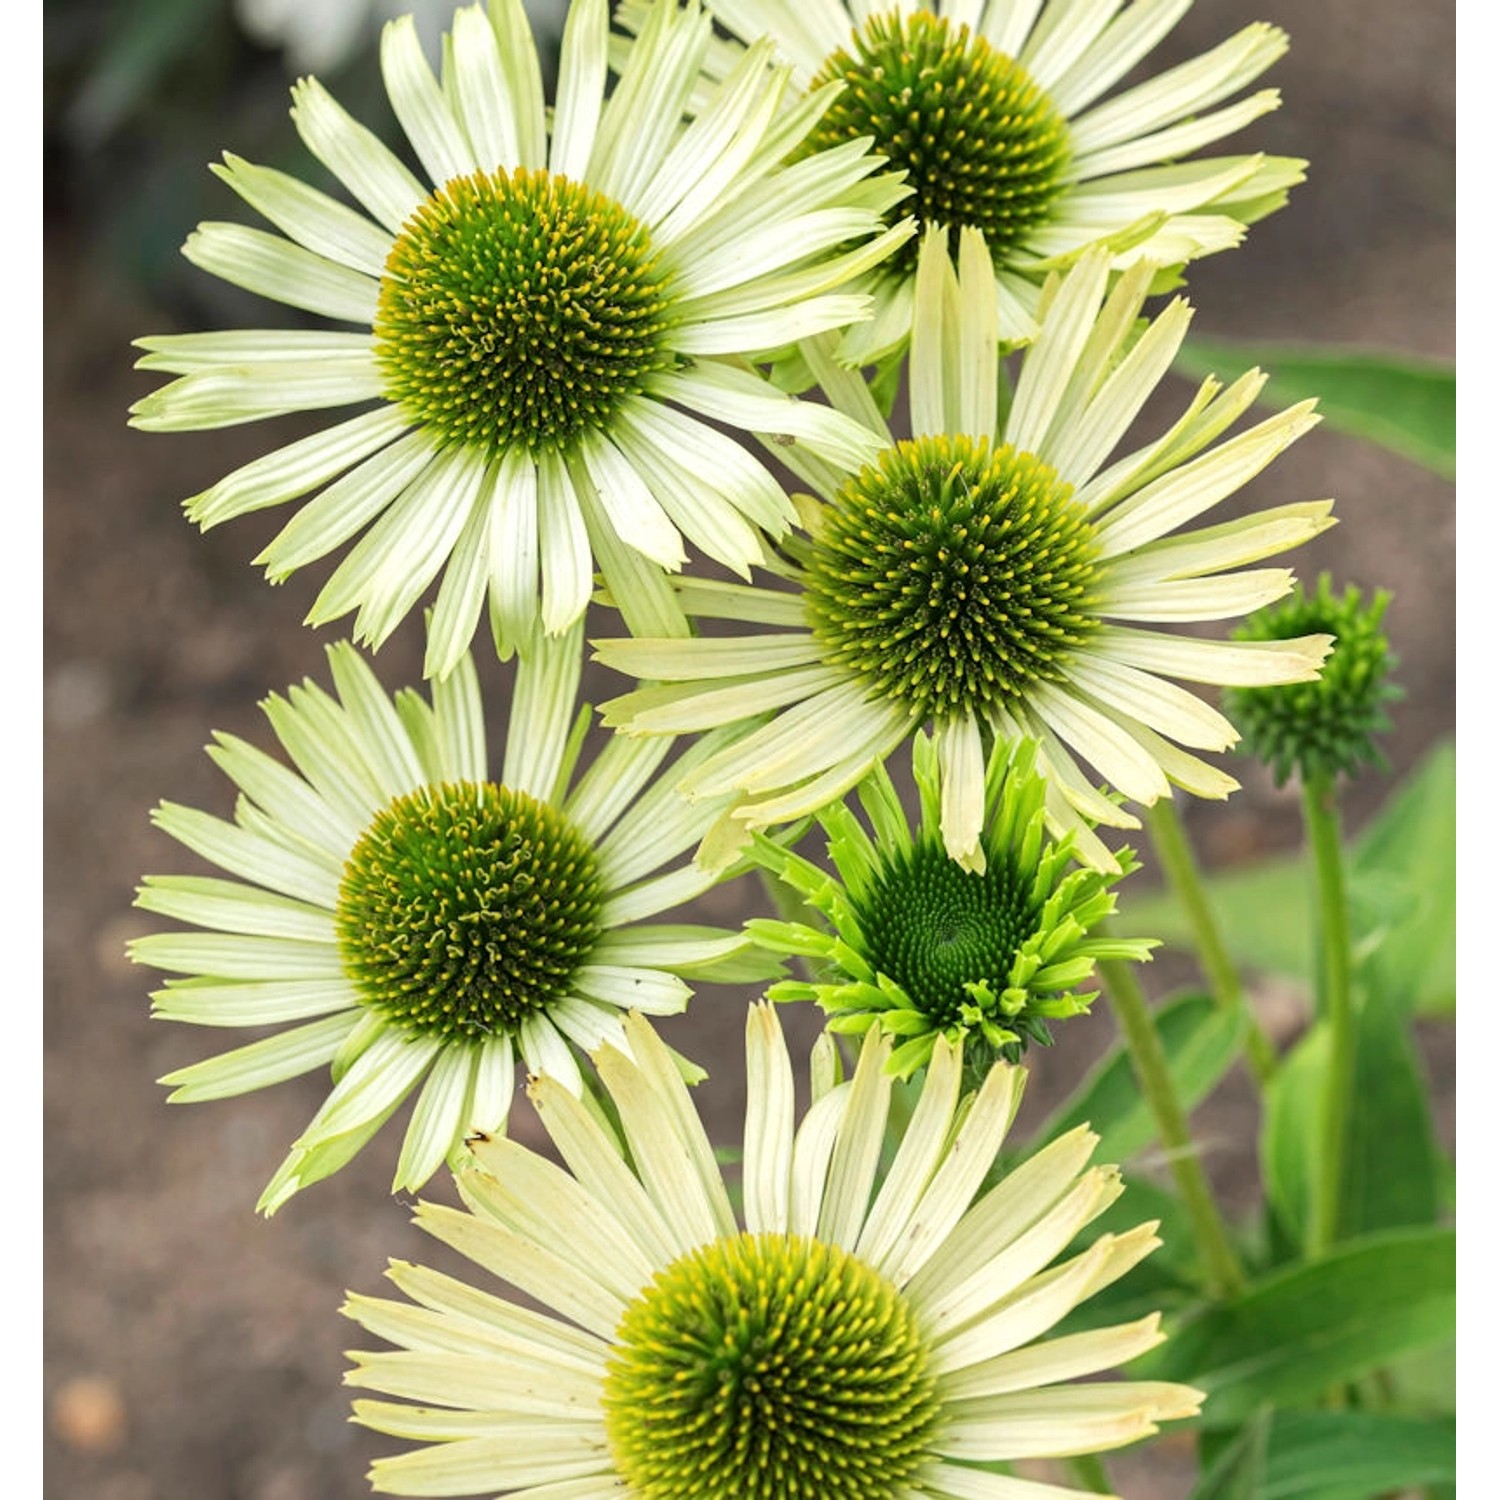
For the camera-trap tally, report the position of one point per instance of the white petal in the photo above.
(273, 267)
(460, 723)
(543, 707)
(1124, 42)
(856, 1153)
(512, 547)
(466, 578)
(253, 1003)
(355, 155)
(228, 395)
(811, 1152)
(633, 512)
(314, 220)
(612, 782)
(251, 856)
(945, 1200)
(593, 1156)
(484, 101)
(346, 505)
(1222, 663)
(393, 563)
(961, 766)
(436, 136)
(1051, 360)
(526, 1265)
(934, 337)
(567, 563)
(918, 1155)
(581, 77)
(1140, 696)
(1055, 1360)
(289, 1054)
(546, 1053)
(769, 1123)
(296, 469)
(437, 1122)
(649, 991)
(523, 79)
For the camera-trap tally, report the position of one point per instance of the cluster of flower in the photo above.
(580, 354)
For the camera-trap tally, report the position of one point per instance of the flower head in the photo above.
(1002, 118)
(992, 577)
(859, 1337)
(923, 948)
(549, 330)
(1327, 727)
(416, 925)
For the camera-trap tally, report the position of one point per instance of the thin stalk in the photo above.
(1176, 854)
(1221, 1266)
(1087, 1472)
(1320, 815)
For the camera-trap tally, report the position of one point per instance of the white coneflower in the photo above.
(1000, 114)
(547, 334)
(993, 577)
(859, 1337)
(416, 924)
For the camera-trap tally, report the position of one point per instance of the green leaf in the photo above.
(1403, 891)
(1393, 1170)
(1405, 404)
(1296, 1333)
(1355, 1455)
(1201, 1041)
(1335, 1455)
(1402, 900)
(1290, 1132)
(1425, 1384)
(1239, 1471)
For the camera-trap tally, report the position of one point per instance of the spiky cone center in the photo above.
(952, 574)
(465, 908)
(979, 140)
(519, 307)
(769, 1367)
(1325, 727)
(950, 938)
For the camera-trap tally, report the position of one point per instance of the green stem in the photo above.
(1086, 1471)
(1336, 1006)
(1170, 840)
(1149, 1059)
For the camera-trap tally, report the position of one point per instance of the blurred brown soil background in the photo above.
(193, 1349)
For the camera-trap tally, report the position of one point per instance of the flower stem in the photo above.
(1335, 1005)
(1170, 840)
(1149, 1059)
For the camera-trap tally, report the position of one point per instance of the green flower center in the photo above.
(979, 141)
(936, 928)
(465, 908)
(519, 307)
(951, 574)
(769, 1367)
